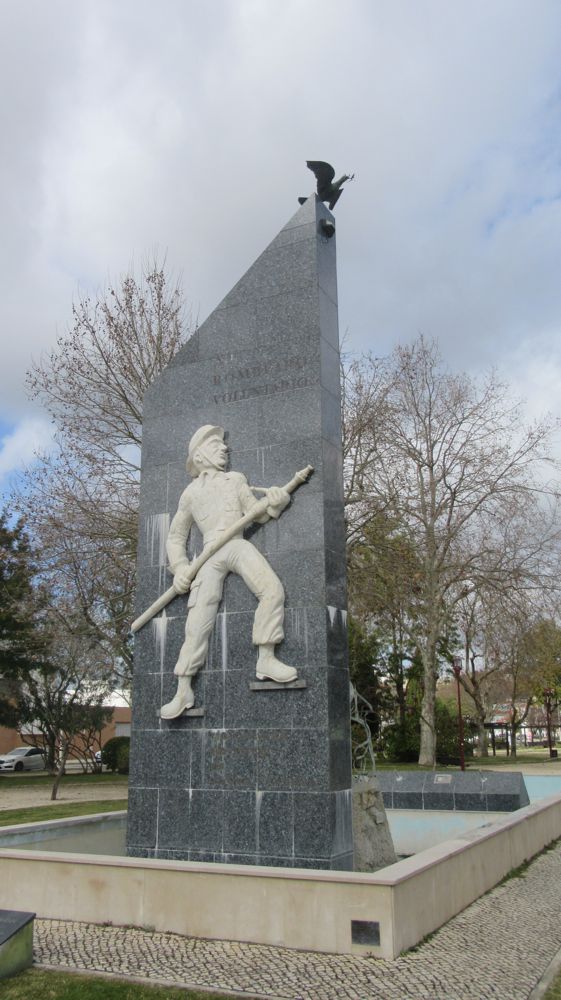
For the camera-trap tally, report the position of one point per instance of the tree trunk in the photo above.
(61, 768)
(482, 734)
(471, 685)
(482, 738)
(513, 730)
(50, 762)
(427, 749)
(400, 694)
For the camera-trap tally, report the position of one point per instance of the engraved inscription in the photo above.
(268, 389)
(279, 376)
(243, 372)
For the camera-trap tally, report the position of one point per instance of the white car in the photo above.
(23, 759)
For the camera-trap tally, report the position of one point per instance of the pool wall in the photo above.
(307, 909)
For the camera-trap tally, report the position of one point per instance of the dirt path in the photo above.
(69, 791)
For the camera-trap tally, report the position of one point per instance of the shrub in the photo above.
(123, 757)
(401, 743)
(110, 752)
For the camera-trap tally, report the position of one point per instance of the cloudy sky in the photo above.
(184, 126)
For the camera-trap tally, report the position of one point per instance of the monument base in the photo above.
(294, 829)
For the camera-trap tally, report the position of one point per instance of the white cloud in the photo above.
(186, 126)
(19, 447)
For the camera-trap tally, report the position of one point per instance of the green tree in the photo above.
(372, 699)
(53, 691)
(57, 699)
(534, 671)
(18, 632)
(382, 570)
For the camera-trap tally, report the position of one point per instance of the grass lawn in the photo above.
(34, 814)
(525, 755)
(38, 984)
(554, 991)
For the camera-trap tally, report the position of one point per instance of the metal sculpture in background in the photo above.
(364, 758)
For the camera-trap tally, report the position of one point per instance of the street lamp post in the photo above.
(548, 697)
(457, 668)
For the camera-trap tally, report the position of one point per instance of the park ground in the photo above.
(511, 937)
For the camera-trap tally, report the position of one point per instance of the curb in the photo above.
(154, 981)
(546, 980)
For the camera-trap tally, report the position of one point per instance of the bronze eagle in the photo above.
(327, 189)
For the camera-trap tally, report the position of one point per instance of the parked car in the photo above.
(23, 759)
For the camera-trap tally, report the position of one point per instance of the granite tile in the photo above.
(332, 465)
(241, 760)
(438, 800)
(290, 268)
(174, 830)
(313, 825)
(328, 319)
(206, 820)
(145, 760)
(276, 464)
(240, 823)
(275, 823)
(293, 414)
(330, 368)
(330, 416)
(303, 579)
(293, 760)
(245, 709)
(147, 694)
(237, 330)
(340, 764)
(214, 758)
(213, 698)
(142, 817)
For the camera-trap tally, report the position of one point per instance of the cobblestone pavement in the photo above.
(498, 947)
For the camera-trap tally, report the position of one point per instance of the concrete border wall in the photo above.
(305, 909)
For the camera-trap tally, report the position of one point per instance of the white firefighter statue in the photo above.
(215, 501)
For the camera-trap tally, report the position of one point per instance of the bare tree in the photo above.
(80, 501)
(453, 461)
(531, 649)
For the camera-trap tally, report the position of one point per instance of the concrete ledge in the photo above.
(477, 791)
(305, 909)
(16, 942)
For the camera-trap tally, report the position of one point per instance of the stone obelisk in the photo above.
(257, 772)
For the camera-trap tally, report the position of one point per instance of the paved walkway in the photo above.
(500, 946)
(20, 797)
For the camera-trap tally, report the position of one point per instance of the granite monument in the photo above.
(240, 748)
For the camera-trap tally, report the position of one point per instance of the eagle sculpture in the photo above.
(327, 189)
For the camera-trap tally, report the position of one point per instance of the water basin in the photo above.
(102, 833)
(412, 830)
